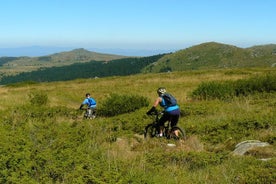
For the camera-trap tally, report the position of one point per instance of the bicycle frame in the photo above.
(152, 129)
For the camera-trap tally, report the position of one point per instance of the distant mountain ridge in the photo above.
(84, 55)
(38, 51)
(79, 54)
(211, 55)
(15, 65)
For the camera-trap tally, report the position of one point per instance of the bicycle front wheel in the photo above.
(178, 133)
(150, 131)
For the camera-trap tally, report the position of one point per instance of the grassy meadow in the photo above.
(51, 143)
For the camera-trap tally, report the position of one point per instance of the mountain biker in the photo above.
(171, 112)
(90, 104)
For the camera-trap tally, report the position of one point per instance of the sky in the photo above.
(136, 24)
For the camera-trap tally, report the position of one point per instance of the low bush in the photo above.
(265, 83)
(251, 170)
(117, 104)
(191, 160)
(214, 90)
(229, 89)
(38, 98)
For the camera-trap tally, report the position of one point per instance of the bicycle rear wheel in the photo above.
(150, 131)
(89, 114)
(178, 133)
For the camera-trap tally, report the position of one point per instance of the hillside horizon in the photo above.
(81, 63)
(37, 50)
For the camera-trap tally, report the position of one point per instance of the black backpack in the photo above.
(169, 100)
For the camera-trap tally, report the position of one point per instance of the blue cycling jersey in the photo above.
(168, 109)
(90, 102)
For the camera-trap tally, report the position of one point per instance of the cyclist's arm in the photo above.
(153, 109)
(157, 101)
(81, 106)
(84, 103)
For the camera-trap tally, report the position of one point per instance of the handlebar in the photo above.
(156, 113)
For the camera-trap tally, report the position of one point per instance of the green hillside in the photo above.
(45, 140)
(215, 56)
(15, 65)
(92, 69)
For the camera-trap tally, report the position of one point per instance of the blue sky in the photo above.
(136, 24)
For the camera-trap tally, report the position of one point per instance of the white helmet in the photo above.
(161, 90)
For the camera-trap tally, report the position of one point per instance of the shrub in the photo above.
(192, 160)
(214, 90)
(117, 104)
(38, 98)
(251, 170)
(228, 89)
(266, 83)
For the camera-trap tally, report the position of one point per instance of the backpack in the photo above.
(91, 101)
(169, 100)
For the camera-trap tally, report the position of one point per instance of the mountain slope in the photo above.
(83, 55)
(213, 55)
(92, 69)
(13, 65)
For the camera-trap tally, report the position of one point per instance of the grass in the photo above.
(52, 144)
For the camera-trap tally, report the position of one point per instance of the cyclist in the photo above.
(171, 110)
(90, 104)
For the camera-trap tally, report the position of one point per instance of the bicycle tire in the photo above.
(150, 131)
(89, 115)
(181, 133)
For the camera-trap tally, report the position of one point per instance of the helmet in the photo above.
(87, 94)
(161, 90)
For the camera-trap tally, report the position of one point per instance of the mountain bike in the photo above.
(152, 129)
(89, 113)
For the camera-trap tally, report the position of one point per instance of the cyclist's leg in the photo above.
(165, 117)
(93, 113)
(174, 121)
(86, 114)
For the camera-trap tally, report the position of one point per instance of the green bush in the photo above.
(228, 89)
(266, 83)
(117, 104)
(191, 160)
(213, 90)
(38, 98)
(219, 131)
(250, 170)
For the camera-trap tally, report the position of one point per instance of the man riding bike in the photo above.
(171, 109)
(90, 104)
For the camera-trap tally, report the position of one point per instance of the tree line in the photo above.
(92, 69)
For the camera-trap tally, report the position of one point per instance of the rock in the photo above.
(171, 145)
(243, 147)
